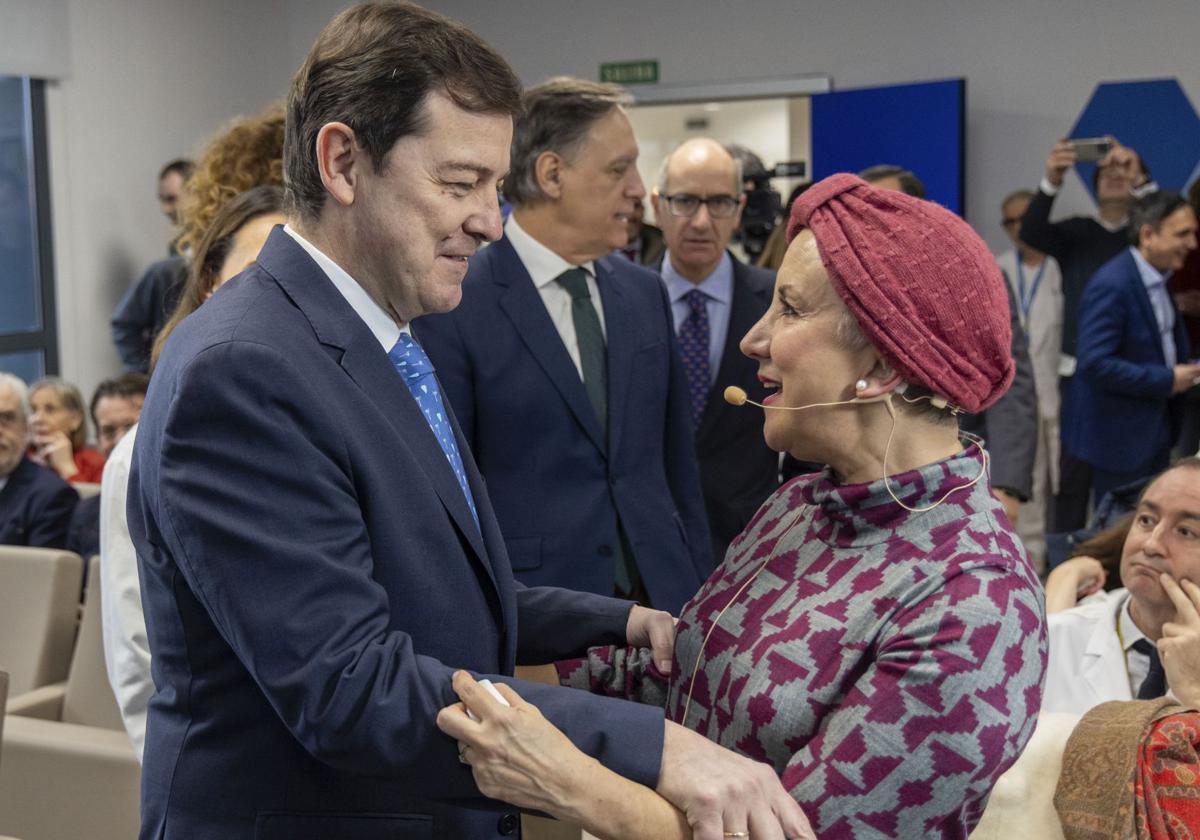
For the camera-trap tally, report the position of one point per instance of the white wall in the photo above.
(143, 81)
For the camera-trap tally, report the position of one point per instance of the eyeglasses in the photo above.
(11, 419)
(719, 206)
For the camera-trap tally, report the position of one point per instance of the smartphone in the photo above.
(1091, 149)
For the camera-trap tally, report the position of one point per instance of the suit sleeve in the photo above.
(1011, 422)
(1037, 231)
(679, 448)
(132, 323)
(51, 520)
(257, 503)
(1103, 320)
(554, 623)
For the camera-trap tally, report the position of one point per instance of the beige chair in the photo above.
(69, 769)
(86, 489)
(3, 698)
(39, 613)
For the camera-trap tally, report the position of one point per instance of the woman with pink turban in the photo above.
(876, 634)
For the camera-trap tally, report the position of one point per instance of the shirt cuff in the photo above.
(1046, 187)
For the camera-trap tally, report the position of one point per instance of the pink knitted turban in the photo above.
(920, 282)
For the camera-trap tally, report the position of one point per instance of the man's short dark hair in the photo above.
(556, 116)
(126, 386)
(372, 68)
(1151, 210)
(180, 166)
(910, 184)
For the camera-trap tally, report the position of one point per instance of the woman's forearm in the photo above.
(613, 808)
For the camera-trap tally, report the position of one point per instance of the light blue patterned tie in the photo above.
(416, 370)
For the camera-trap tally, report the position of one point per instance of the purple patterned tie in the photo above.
(693, 345)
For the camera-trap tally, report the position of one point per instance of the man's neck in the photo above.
(541, 222)
(327, 238)
(1031, 257)
(1146, 620)
(1114, 210)
(1150, 262)
(694, 274)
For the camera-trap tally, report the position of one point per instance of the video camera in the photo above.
(763, 204)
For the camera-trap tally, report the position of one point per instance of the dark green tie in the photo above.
(590, 339)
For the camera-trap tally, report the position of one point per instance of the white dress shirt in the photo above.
(544, 267)
(1155, 282)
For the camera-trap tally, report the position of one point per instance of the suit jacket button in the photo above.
(604, 550)
(508, 824)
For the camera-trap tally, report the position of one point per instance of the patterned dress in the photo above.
(887, 664)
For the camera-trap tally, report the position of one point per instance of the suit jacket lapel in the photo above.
(735, 366)
(1142, 295)
(523, 306)
(618, 343)
(338, 326)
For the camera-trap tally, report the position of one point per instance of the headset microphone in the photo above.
(737, 396)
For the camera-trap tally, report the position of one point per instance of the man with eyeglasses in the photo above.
(715, 300)
(1036, 284)
(35, 504)
(562, 368)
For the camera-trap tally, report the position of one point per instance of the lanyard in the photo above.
(1026, 299)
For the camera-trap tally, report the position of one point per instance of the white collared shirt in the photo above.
(544, 267)
(386, 331)
(1136, 664)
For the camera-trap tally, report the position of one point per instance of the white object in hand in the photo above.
(496, 695)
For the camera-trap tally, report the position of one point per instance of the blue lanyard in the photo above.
(1026, 300)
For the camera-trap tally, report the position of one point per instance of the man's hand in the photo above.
(1061, 158)
(1179, 647)
(1186, 376)
(724, 794)
(1124, 160)
(1012, 505)
(654, 629)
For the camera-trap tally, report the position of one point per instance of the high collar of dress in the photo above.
(849, 515)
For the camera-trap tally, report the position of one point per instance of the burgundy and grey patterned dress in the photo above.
(888, 664)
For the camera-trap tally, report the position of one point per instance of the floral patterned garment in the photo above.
(888, 664)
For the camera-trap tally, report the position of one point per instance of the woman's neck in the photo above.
(914, 443)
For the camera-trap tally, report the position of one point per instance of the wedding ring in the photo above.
(737, 834)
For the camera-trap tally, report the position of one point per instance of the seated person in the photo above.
(876, 634)
(59, 428)
(1105, 649)
(115, 409)
(1094, 565)
(35, 504)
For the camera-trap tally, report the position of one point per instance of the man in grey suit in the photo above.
(715, 299)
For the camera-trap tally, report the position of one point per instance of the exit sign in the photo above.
(630, 72)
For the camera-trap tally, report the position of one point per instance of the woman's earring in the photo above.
(860, 385)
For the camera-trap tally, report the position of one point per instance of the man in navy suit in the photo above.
(35, 504)
(1133, 351)
(316, 547)
(562, 368)
(715, 300)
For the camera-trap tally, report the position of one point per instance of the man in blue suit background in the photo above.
(562, 367)
(316, 547)
(1133, 351)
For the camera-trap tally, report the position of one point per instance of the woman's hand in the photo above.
(515, 754)
(1179, 646)
(54, 450)
(1072, 581)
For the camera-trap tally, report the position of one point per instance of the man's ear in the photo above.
(339, 160)
(547, 170)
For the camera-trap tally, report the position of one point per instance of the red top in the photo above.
(90, 464)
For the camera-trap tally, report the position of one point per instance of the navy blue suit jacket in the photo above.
(312, 575)
(35, 507)
(557, 485)
(738, 471)
(1123, 414)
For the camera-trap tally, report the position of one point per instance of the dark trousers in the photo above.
(1069, 507)
(1105, 481)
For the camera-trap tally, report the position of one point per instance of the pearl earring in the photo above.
(860, 385)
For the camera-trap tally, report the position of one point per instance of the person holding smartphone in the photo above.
(1080, 245)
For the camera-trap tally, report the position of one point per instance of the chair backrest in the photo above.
(89, 698)
(86, 489)
(39, 612)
